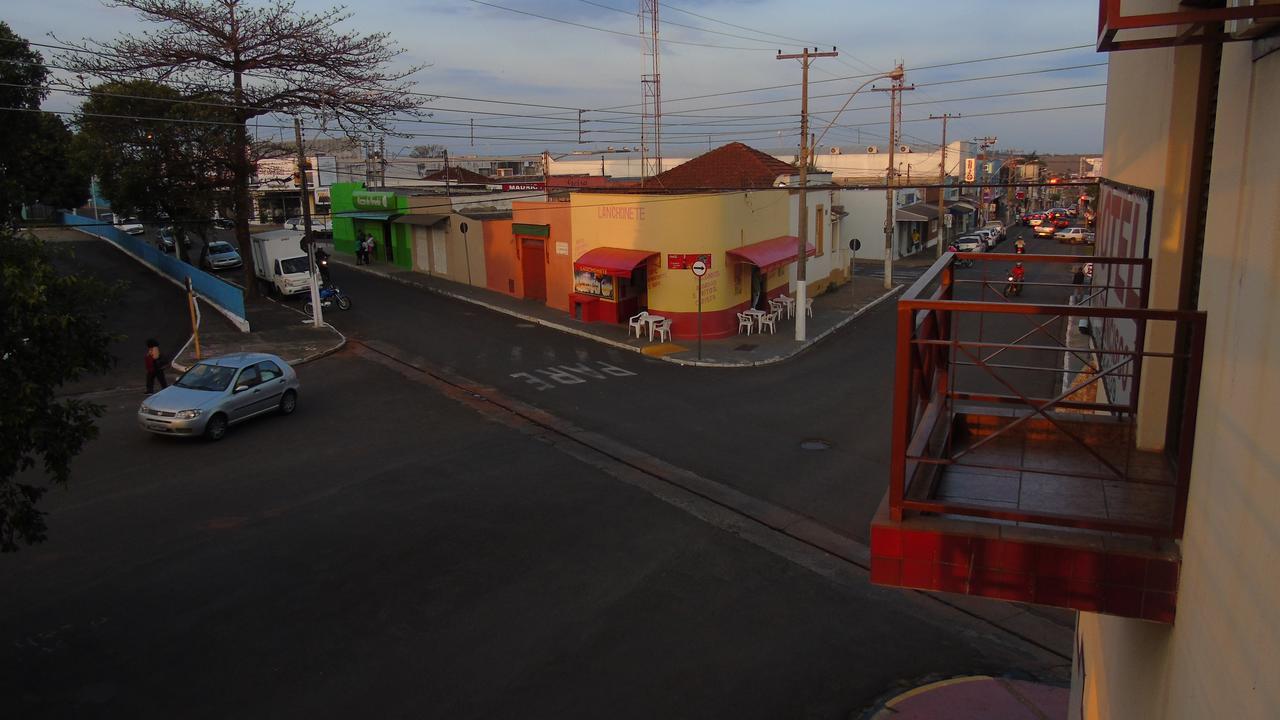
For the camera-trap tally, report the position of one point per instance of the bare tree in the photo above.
(263, 59)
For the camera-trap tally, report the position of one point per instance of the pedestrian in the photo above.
(155, 364)
(359, 248)
(369, 246)
(1078, 277)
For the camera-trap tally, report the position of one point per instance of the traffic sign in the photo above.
(699, 268)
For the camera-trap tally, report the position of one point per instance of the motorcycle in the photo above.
(1014, 288)
(960, 262)
(329, 295)
(1020, 249)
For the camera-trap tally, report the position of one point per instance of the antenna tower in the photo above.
(651, 88)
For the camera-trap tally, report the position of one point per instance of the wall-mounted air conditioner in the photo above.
(872, 149)
(904, 148)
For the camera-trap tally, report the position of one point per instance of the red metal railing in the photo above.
(966, 348)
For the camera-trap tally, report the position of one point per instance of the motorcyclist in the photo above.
(1020, 246)
(322, 262)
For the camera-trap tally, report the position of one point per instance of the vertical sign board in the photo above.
(1123, 230)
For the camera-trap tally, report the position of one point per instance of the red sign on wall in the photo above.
(684, 261)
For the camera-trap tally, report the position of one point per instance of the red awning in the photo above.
(613, 261)
(768, 254)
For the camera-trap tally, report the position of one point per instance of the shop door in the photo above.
(533, 269)
(386, 235)
(421, 252)
(439, 252)
(757, 287)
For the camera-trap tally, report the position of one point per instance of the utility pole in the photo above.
(382, 161)
(317, 315)
(983, 144)
(806, 58)
(895, 119)
(942, 178)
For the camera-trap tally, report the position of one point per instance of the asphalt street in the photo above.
(389, 552)
(744, 427)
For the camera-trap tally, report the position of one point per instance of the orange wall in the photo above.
(501, 267)
(559, 247)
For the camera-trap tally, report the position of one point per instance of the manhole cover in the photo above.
(815, 445)
(746, 348)
(525, 325)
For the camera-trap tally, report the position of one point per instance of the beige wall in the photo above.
(1221, 659)
(462, 259)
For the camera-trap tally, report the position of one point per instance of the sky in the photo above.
(501, 61)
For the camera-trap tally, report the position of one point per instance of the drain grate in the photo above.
(746, 348)
(815, 445)
(525, 325)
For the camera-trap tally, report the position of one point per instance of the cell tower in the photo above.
(651, 87)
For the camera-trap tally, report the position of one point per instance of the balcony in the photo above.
(1026, 463)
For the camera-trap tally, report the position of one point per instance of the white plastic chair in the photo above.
(745, 321)
(777, 305)
(664, 330)
(787, 303)
(769, 320)
(637, 323)
(808, 306)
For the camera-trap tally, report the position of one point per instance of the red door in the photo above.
(533, 269)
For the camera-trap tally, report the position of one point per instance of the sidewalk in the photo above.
(275, 328)
(831, 311)
(977, 697)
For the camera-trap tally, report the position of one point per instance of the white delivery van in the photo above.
(280, 263)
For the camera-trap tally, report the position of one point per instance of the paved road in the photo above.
(389, 552)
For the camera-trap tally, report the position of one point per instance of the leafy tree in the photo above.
(428, 151)
(265, 59)
(34, 158)
(50, 334)
(173, 164)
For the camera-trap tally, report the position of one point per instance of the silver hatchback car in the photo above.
(219, 392)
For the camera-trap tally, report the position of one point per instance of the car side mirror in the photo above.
(240, 389)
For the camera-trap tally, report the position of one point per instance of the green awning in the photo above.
(366, 215)
(541, 231)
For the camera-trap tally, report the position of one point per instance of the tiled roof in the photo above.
(458, 175)
(733, 166)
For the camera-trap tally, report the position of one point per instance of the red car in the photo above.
(1061, 222)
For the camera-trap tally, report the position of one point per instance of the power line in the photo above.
(606, 30)
(676, 24)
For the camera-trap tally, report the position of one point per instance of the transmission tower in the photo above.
(651, 88)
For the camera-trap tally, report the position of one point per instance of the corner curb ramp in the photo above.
(524, 317)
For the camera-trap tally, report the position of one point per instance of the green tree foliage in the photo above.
(50, 334)
(35, 163)
(172, 163)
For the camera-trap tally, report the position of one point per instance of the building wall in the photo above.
(709, 224)
(558, 249)
(1222, 656)
(501, 264)
(829, 267)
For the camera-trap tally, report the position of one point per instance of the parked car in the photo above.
(131, 226)
(224, 223)
(219, 392)
(220, 255)
(998, 227)
(970, 243)
(1074, 235)
(988, 238)
(319, 225)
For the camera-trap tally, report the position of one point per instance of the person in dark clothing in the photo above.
(322, 262)
(155, 364)
(1078, 277)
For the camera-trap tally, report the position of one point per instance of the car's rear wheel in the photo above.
(216, 427)
(289, 402)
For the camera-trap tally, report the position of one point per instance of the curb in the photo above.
(624, 346)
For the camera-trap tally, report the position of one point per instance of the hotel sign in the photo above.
(366, 200)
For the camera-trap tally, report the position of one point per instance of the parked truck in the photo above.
(279, 262)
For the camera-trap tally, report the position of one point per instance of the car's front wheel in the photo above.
(289, 402)
(216, 427)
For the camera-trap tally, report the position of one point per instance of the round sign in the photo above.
(699, 268)
(463, 228)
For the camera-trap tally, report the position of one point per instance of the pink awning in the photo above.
(769, 254)
(613, 261)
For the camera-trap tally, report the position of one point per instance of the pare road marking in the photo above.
(552, 377)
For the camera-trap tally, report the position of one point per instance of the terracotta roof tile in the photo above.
(458, 174)
(733, 166)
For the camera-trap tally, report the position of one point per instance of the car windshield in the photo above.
(203, 376)
(294, 265)
(220, 248)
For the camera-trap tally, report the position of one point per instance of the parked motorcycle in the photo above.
(960, 262)
(329, 295)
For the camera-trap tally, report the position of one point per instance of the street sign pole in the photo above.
(699, 269)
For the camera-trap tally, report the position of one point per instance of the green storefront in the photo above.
(357, 211)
